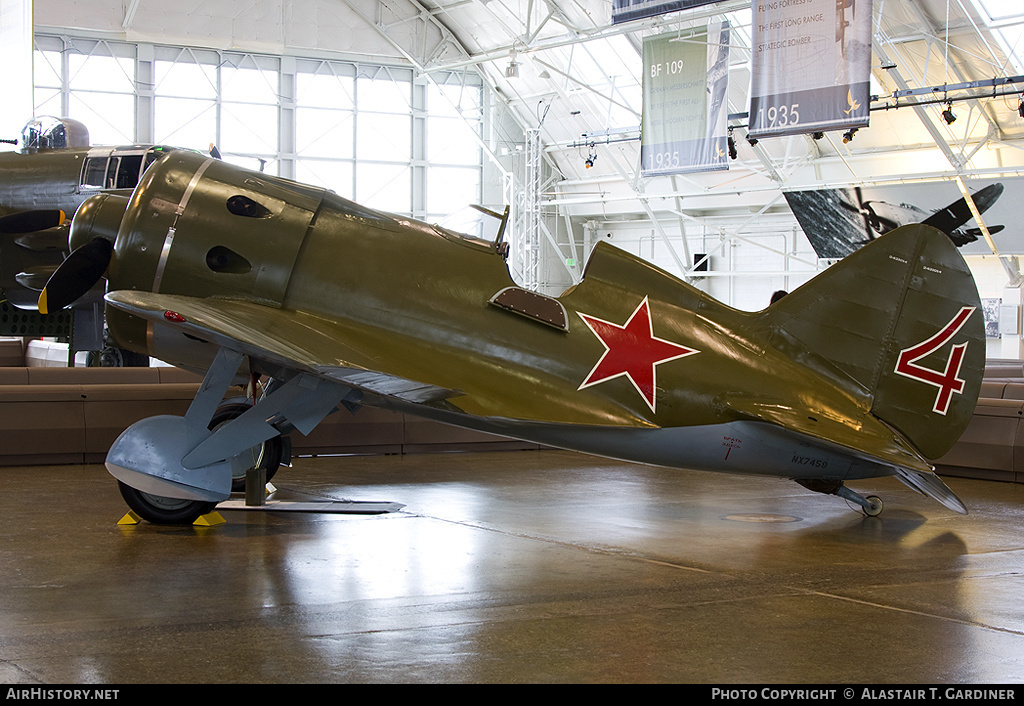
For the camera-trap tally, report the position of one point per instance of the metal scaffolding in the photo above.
(528, 225)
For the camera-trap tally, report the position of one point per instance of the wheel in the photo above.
(266, 455)
(875, 505)
(163, 511)
(111, 357)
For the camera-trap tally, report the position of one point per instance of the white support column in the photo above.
(286, 146)
(145, 82)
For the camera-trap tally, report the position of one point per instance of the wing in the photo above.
(282, 337)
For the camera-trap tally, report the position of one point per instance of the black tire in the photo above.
(163, 511)
(268, 454)
(111, 357)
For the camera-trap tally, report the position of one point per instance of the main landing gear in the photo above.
(266, 455)
(871, 505)
(174, 469)
(161, 510)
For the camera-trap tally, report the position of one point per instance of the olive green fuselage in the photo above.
(414, 300)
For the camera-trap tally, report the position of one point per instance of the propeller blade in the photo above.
(976, 232)
(35, 277)
(31, 221)
(43, 240)
(82, 269)
(957, 213)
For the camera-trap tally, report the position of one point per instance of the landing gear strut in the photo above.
(871, 505)
(266, 455)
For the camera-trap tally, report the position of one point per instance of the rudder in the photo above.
(899, 322)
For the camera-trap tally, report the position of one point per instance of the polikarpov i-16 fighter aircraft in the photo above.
(868, 370)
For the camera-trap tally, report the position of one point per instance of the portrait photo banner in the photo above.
(811, 66)
(684, 125)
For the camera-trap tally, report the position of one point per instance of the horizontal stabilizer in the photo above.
(866, 438)
(932, 486)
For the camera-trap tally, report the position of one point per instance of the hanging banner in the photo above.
(685, 109)
(811, 66)
(626, 10)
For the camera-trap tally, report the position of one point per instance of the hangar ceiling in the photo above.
(578, 83)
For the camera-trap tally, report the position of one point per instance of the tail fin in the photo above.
(900, 322)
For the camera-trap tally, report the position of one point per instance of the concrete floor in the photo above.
(529, 566)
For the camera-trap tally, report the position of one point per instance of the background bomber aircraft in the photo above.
(868, 370)
(41, 186)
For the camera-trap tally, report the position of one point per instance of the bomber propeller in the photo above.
(79, 273)
(91, 240)
(31, 221)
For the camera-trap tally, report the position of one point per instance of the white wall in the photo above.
(992, 281)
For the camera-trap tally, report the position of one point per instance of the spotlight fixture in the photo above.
(848, 135)
(948, 115)
(1020, 108)
(512, 70)
(751, 140)
(732, 148)
(817, 135)
(589, 161)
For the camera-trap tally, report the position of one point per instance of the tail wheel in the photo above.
(266, 455)
(874, 506)
(163, 511)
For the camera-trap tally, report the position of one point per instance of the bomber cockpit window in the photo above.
(123, 172)
(244, 206)
(94, 172)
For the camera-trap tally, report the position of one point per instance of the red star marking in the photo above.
(632, 350)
